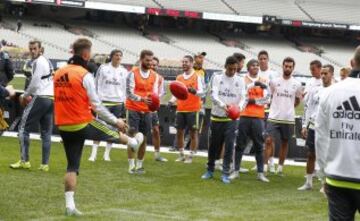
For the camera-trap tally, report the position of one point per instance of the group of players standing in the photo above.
(115, 94)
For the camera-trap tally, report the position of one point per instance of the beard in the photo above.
(287, 73)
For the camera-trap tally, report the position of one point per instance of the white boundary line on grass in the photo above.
(150, 148)
(118, 211)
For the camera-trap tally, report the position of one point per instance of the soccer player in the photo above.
(265, 70)
(141, 83)
(337, 142)
(251, 123)
(155, 116)
(286, 95)
(110, 83)
(75, 95)
(241, 60)
(344, 73)
(187, 115)
(226, 89)
(268, 73)
(315, 80)
(308, 132)
(38, 110)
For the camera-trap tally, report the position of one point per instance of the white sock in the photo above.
(132, 142)
(131, 163)
(280, 168)
(94, 150)
(107, 150)
(157, 154)
(69, 200)
(309, 179)
(139, 163)
(221, 161)
(265, 167)
(191, 153)
(271, 160)
(181, 152)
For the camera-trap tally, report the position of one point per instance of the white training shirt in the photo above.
(337, 129)
(269, 74)
(284, 92)
(41, 83)
(111, 83)
(225, 91)
(313, 83)
(311, 106)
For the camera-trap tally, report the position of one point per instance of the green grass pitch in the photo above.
(168, 191)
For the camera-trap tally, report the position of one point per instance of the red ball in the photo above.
(155, 102)
(233, 112)
(179, 90)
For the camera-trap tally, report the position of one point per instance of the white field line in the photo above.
(119, 211)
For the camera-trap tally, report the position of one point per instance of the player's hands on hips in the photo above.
(11, 90)
(121, 125)
(304, 132)
(146, 100)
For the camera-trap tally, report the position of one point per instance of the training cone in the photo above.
(233, 112)
(179, 90)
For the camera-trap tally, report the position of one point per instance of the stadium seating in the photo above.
(280, 48)
(198, 5)
(147, 3)
(279, 8)
(57, 42)
(333, 11)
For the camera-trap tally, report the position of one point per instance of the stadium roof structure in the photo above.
(327, 14)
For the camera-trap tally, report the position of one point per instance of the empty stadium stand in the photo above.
(57, 42)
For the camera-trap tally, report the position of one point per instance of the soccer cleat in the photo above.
(261, 177)
(20, 165)
(139, 137)
(243, 170)
(44, 167)
(140, 170)
(272, 168)
(131, 170)
(107, 158)
(181, 158)
(306, 186)
(161, 159)
(279, 173)
(188, 160)
(207, 175)
(73, 212)
(225, 179)
(234, 175)
(92, 159)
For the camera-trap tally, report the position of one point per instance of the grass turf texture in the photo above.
(168, 191)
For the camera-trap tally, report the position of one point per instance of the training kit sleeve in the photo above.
(41, 83)
(130, 86)
(89, 85)
(3, 92)
(215, 92)
(201, 92)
